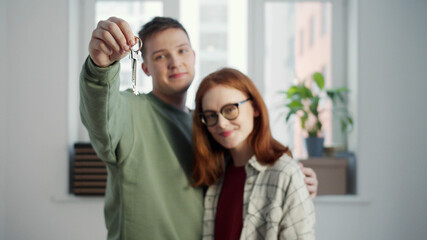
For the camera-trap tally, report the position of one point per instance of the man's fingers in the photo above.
(100, 53)
(107, 39)
(126, 30)
(310, 181)
(311, 189)
(313, 195)
(110, 41)
(104, 48)
(121, 31)
(111, 34)
(309, 172)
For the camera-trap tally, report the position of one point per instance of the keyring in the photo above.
(139, 42)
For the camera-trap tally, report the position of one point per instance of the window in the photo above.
(218, 32)
(289, 30)
(287, 39)
(213, 36)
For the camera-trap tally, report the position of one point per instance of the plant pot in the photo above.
(314, 146)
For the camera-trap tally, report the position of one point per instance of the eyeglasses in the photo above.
(229, 111)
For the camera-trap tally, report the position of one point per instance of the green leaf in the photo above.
(343, 125)
(342, 90)
(314, 105)
(319, 125)
(306, 92)
(312, 133)
(289, 115)
(350, 120)
(292, 91)
(331, 94)
(295, 104)
(319, 79)
(303, 119)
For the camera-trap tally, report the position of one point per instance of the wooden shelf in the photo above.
(331, 173)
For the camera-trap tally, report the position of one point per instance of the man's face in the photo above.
(169, 59)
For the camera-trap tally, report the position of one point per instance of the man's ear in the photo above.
(145, 69)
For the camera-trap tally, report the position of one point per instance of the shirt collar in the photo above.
(256, 165)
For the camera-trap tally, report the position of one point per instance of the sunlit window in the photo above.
(290, 27)
(218, 32)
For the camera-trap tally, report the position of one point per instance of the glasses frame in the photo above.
(202, 114)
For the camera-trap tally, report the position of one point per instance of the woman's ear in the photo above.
(256, 111)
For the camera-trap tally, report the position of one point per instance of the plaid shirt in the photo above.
(276, 203)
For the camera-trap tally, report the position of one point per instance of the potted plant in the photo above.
(304, 104)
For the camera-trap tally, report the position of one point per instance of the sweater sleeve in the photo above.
(102, 108)
(298, 210)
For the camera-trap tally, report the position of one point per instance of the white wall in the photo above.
(3, 114)
(392, 136)
(393, 114)
(35, 157)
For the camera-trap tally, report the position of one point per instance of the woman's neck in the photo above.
(241, 155)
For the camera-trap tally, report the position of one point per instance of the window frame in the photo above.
(345, 62)
(339, 54)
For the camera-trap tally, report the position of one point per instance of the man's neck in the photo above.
(177, 101)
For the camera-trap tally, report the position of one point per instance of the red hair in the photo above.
(209, 163)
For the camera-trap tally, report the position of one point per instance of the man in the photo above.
(145, 140)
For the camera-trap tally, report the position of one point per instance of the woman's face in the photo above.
(231, 134)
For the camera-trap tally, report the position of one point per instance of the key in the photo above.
(134, 56)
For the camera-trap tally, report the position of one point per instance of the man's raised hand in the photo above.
(111, 41)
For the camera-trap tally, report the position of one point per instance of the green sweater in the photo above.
(146, 145)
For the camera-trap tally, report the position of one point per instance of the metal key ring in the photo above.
(139, 42)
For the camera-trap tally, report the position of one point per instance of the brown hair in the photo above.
(158, 24)
(209, 161)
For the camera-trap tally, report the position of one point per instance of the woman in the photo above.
(255, 189)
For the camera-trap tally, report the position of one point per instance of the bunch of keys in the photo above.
(135, 55)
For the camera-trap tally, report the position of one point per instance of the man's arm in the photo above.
(103, 110)
(310, 180)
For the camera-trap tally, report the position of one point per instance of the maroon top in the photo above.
(229, 213)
